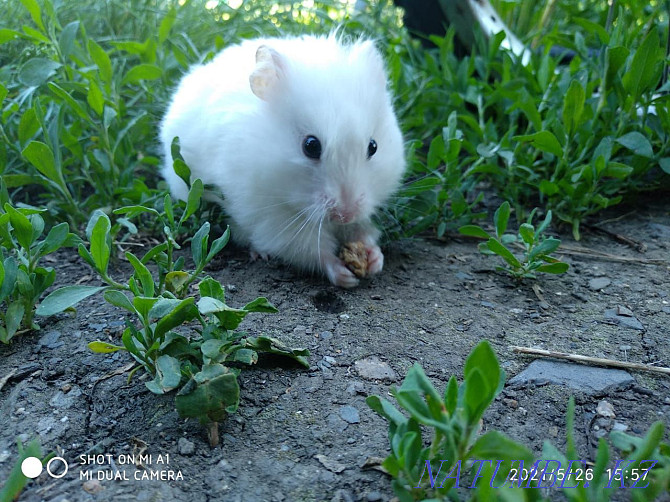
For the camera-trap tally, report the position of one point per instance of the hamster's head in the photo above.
(341, 141)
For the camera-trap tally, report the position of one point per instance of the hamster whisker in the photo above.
(309, 209)
(318, 239)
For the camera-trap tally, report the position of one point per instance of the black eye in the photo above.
(372, 148)
(311, 147)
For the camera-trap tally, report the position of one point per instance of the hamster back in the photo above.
(299, 139)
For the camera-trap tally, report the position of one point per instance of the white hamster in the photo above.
(300, 138)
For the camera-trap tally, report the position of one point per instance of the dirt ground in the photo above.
(305, 435)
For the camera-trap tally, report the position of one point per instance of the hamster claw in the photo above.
(255, 255)
(339, 274)
(375, 259)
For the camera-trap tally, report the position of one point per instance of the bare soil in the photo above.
(305, 435)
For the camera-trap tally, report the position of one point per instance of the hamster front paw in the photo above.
(255, 255)
(338, 273)
(375, 259)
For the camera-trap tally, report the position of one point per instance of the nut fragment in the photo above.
(355, 257)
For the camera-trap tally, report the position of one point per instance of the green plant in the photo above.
(459, 463)
(537, 247)
(22, 278)
(454, 421)
(202, 365)
(16, 480)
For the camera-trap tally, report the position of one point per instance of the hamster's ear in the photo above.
(265, 77)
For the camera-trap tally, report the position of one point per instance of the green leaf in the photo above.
(13, 319)
(168, 375)
(218, 245)
(67, 38)
(99, 247)
(501, 217)
(665, 164)
(228, 317)
(166, 25)
(199, 244)
(102, 61)
(451, 395)
(184, 312)
(64, 298)
(212, 288)
(419, 186)
(132, 211)
(95, 99)
(546, 247)
(637, 143)
(617, 170)
(163, 307)
(118, 299)
(7, 35)
(386, 410)
(210, 396)
(474, 231)
(193, 200)
(503, 252)
(143, 306)
(483, 359)
(33, 8)
(615, 58)
(549, 188)
(494, 445)
(28, 126)
(176, 280)
(544, 141)
(142, 274)
(41, 156)
(573, 107)
(476, 395)
(104, 347)
(23, 229)
(527, 233)
(269, 345)
(55, 239)
(554, 268)
(142, 72)
(644, 73)
(260, 305)
(245, 356)
(11, 269)
(71, 102)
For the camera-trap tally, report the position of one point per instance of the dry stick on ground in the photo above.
(590, 360)
(582, 251)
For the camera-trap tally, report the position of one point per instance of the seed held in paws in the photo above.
(355, 257)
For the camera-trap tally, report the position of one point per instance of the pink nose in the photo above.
(342, 215)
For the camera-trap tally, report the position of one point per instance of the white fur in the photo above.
(281, 202)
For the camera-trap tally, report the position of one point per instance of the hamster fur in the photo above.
(244, 120)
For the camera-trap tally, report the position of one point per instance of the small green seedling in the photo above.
(537, 247)
(460, 463)
(16, 480)
(453, 419)
(22, 279)
(203, 364)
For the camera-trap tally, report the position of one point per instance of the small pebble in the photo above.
(350, 414)
(605, 409)
(599, 283)
(186, 447)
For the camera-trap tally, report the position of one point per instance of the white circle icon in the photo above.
(57, 476)
(31, 467)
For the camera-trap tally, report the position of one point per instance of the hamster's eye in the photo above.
(372, 148)
(311, 147)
